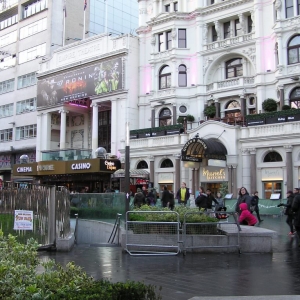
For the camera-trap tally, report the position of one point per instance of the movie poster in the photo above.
(100, 78)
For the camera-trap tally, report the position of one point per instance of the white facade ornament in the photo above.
(153, 39)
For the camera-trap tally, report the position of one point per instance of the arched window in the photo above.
(165, 117)
(165, 78)
(182, 77)
(234, 68)
(233, 109)
(142, 165)
(272, 157)
(295, 98)
(167, 163)
(293, 50)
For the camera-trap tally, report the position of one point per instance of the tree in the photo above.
(269, 105)
(210, 111)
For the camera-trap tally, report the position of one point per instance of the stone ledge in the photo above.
(65, 244)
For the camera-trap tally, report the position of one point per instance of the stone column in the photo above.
(152, 118)
(174, 38)
(174, 73)
(234, 181)
(218, 112)
(289, 167)
(245, 169)
(174, 114)
(243, 105)
(193, 182)
(205, 30)
(95, 126)
(281, 92)
(63, 128)
(197, 179)
(177, 172)
(153, 79)
(241, 19)
(253, 171)
(151, 159)
(280, 49)
(217, 27)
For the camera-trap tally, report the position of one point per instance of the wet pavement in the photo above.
(201, 275)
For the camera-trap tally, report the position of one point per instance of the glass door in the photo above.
(272, 187)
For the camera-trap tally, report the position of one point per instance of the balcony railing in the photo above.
(5, 5)
(230, 41)
(68, 154)
(238, 81)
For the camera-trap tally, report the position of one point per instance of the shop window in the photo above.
(272, 157)
(234, 68)
(294, 50)
(142, 165)
(182, 77)
(273, 187)
(165, 117)
(167, 163)
(165, 78)
(295, 98)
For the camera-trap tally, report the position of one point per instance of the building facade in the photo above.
(232, 55)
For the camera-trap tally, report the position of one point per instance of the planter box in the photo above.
(144, 135)
(292, 118)
(255, 122)
(275, 120)
(134, 136)
(173, 131)
(158, 133)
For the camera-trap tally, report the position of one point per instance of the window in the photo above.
(26, 80)
(26, 106)
(212, 2)
(234, 68)
(289, 8)
(165, 78)
(8, 38)
(142, 165)
(32, 53)
(161, 42)
(25, 132)
(252, 111)
(33, 28)
(182, 77)
(169, 40)
(298, 7)
(183, 109)
(273, 187)
(294, 50)
(250, 24)
(214, 33)
(6, 135)
(295, 98)
(175, 6)
(226, 27)
(34, 8)
(6, 110)
(8, 22)
(181, 38)
(272, 157)
(7, 86)
(237, 27)
(167, 163)
(167, 8)
(165, 117)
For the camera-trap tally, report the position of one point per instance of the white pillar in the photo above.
(94, 128)
(63, 128)
(153, 78)
(115, 126)
(280, 50)
(39, 137)
(174, 74)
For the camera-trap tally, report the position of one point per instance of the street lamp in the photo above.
(127, 168)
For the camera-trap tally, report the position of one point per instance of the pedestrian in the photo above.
(201, 200)
(139, 198)
(171, 201)
(150, 198)
(245, 216)
(244, 197)
(296, 211)
(165, 197)
(288, 211)
(220, 201)
(210, 199)
(254, 206)
(144, 191)
(183, 194)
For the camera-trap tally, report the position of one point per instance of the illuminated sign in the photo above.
(24, 169)
(81, 166)
(45, 168)
(110, 165)
(214, 175)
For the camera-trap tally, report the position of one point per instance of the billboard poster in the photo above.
(103, 77)
(23, 220)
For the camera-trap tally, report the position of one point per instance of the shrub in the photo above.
(19, 279)
(190, 118)
(210, 111)
(180, 120)
(269, 105)
(286, 107)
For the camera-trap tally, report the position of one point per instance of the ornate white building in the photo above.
(232, 54)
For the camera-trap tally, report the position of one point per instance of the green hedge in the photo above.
(156, 129)
(20, 280)
(272, 114)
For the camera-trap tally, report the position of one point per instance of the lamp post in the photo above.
(127, 168)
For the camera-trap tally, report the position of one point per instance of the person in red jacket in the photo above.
(246, 215)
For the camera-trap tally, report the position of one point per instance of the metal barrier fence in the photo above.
(147, 235)
(210, 232)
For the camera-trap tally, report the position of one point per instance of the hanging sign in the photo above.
(23, 220)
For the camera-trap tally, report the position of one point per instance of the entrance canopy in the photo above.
(196, 149)
(133, 173)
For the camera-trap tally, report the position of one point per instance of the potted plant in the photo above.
(190, 118)
(180, 120)
(269, 105)
(285, 107)
(210, 111)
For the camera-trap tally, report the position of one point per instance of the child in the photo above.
(246, 215)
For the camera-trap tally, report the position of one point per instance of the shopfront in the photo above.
(212, 178)
(272, 181)
(88, 175)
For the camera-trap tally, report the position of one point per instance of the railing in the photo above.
(237, 82)
(5, 5)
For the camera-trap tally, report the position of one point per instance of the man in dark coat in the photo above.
(165, 197)
(201, 200)
(210, 199)
(139, 198)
